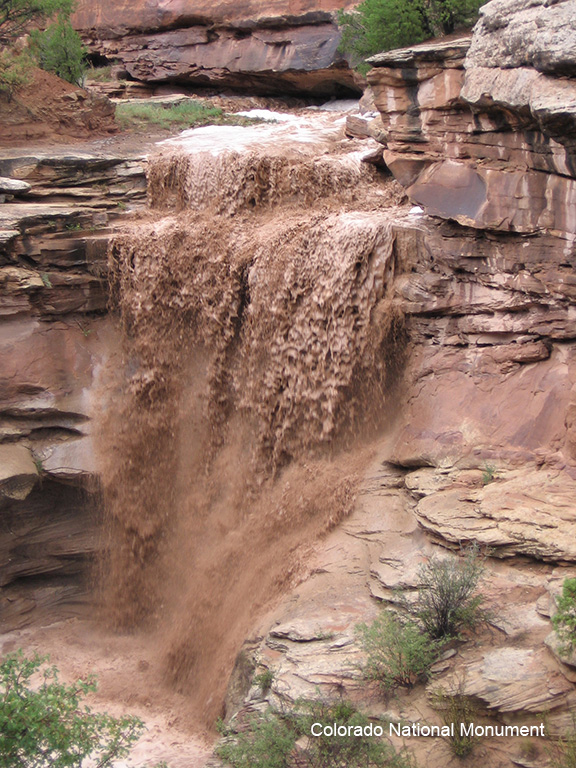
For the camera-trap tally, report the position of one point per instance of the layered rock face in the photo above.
(483, 132)
(55, 220)
(283, 47)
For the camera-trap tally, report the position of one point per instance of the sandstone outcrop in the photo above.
(53, 339)
(278, 47)
(481, 132)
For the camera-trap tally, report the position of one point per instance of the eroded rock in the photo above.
(484, 137)
(282, 48)
(18, 473)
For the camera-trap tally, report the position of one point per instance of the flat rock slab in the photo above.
(511, 680)
(532, 513)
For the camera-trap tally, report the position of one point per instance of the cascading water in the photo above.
(260, 337)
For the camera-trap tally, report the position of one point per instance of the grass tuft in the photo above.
(184, 114)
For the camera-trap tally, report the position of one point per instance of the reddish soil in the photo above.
(51, 109)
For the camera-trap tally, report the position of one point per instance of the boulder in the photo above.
(18, 472)
(510, 680)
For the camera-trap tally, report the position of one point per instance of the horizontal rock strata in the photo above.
(479, 136)
(282, 48)
(53, 339)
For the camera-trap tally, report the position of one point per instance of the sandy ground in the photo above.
(130, 681)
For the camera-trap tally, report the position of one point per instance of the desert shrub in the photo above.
(561, 750)
(457, 709)
(60, 50)
(354, 749)
(15, 70)
(264, 680)
(47, 725)
(275, 739)
(267, 742)
(447, 597)
(16, 15)
(398, 653)
(100, 74)
(380, 25)
(564, 620)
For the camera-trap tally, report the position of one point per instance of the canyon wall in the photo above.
(280, 47)
(57, 211)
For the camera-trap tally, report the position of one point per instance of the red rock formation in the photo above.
(274, 47)
(486, 138)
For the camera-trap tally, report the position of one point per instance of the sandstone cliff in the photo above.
(483, 132)
(478, 435)
(284, 46)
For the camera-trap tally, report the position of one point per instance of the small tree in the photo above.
(60, 50)
(397, 651)
(15, 70)
(16, 15)
(47, 726)
(380, 25)
(448, 599)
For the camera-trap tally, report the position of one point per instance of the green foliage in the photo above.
(448, 599)
(561, 752)
(274, 739)
(381, 25)
(44, 724)
(264, 680)
(184, 114)
(266, 743)
(564, 620)
(488, 474)
(355, 749)
(15, 71)
(16, 15)
(397, 652)
(59, 49)
(457, 709)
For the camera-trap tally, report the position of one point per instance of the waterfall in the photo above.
(260, 339)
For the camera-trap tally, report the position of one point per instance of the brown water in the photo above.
(260, 344)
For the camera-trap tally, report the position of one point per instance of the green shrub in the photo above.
(59, 49)
(15, 71)
(380, 25)
(448, 599)
(46, 725)
(397, 651)
(274, 739)
(336, 750)
(267, 742)
(564, 620)
(264, 680)
(488, 474)
(457, 709)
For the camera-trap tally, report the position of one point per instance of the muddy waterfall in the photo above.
(260, 341)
